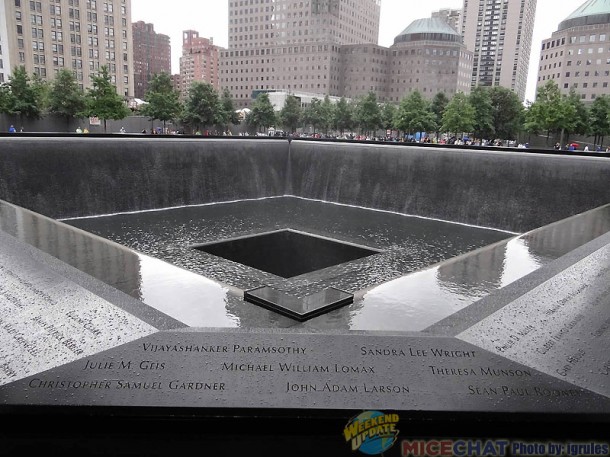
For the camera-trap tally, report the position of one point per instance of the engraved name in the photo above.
(347, 388)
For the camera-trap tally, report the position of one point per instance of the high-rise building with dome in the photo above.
(577, 56)
(429, 56)
(333, 51)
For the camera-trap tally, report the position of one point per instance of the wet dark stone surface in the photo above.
(509, 190)
(494, 188)
(68, 177)
(406, 243)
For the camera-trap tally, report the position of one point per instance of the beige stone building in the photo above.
(293, 45)
(365, 68)
(499, 32)
(429, 57)
(80, 35)
(577, 56)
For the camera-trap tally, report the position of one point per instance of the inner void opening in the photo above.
(286, 253)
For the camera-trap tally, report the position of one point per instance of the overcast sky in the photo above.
(210, 19)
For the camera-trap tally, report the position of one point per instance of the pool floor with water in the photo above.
(405, 244)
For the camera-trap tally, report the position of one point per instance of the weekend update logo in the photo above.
(372, 432)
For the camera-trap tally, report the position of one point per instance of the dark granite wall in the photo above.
(501, 189)
(80, 176)
(68, 177)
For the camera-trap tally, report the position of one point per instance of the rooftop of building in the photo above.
(589, 13)
(435, 29)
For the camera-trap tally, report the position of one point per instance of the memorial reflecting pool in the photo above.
(211, 293)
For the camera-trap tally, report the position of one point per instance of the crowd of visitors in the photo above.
(420, 138)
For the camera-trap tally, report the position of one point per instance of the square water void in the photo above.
(286, 253)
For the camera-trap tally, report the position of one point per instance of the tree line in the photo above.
(486, 113)
(29, 97)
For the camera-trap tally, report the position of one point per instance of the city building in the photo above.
(293, 45)
(364, 68)
(199, 61)
(450, 16)
(499, 32)
(81, 35)
(429, 57)
(577, 56)
(5, 58)
(152, 54)
(176, 82)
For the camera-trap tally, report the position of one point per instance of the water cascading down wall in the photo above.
(509, 190)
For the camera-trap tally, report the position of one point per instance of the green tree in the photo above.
(508, 112)
(368, 113)
(312, 114)
(600, 118)
(262, 114)
(438, 105)
(42, 89)
(24, 99)
(551, 113)
(163, 101)
(533, 118)
(459, 115)
(480, 100)
(388, 116)
(415, 115)
(102, 100)
(343, 116)
(228, 114)
(66, 98)
(5, 98)
(580, 122)
(326, 114)
(202, 106)
(290, 115)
